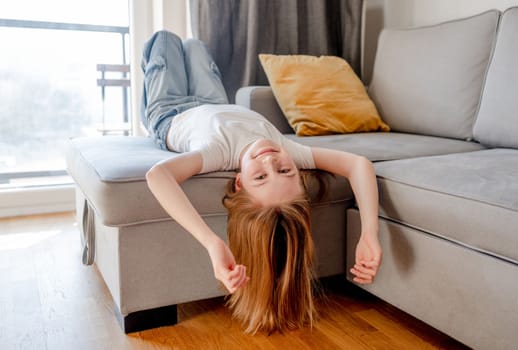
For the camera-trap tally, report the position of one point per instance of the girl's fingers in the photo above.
(242, 281)
(365, 270)
(370, 263)
(236, 278)
(362, 281)
(235, 273)
(361, 275)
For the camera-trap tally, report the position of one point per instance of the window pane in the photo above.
(105, 12)
(49, 93)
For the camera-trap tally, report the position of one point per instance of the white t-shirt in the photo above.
(221, 132)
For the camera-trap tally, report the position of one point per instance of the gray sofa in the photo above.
(447, 175)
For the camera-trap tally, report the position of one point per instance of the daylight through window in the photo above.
(50, 83)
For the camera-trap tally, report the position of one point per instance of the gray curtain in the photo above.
(236, 31)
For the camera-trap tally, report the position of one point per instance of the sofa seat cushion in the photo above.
(389, 145)
(110, 171)
(469, 198)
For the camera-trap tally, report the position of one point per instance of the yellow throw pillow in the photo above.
(321, 95)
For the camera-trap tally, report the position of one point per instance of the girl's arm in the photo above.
(360, 173)
(164, 181)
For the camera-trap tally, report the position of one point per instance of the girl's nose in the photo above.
(269, 159)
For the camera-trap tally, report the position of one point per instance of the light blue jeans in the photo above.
(177, 76)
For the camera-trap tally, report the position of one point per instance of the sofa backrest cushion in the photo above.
(428, 80)
(497, 121)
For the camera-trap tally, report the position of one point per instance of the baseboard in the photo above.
(37, 200)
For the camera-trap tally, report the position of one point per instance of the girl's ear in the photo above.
(237, 182)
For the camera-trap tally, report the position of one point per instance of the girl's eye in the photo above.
(284, 171)
(260, 177)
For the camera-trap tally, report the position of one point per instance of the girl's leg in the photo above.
(165, 84)
(202, 73)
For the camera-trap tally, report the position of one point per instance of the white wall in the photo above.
(405, 13)
(411, 13)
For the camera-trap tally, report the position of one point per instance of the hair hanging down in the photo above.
(275, 245)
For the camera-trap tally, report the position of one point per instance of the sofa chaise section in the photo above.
(148, 261)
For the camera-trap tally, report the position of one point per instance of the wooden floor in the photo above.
(49, 300)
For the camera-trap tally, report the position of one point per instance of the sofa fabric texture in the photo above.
(115, 185)
(497, 121)
(470, 198)
(432, 83)
(466, 294)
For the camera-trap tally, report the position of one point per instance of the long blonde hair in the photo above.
(276, 246)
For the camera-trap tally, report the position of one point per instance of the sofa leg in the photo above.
(147, 319)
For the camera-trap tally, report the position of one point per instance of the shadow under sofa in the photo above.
(447, 177)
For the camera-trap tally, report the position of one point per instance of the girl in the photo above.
(186, 110)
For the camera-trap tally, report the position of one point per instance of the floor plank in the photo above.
(49, 300)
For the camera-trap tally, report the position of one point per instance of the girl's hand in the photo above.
(368, 259)
(226, 271)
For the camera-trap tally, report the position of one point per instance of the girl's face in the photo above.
(268, 174)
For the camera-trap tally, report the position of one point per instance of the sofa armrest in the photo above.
(262, 100)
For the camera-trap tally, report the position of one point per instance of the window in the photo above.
(48, 82)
